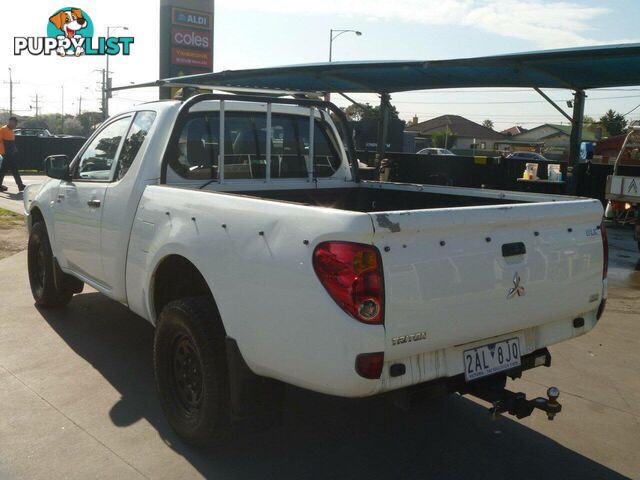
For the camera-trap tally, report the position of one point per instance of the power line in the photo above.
(632, 110)
(508, 102)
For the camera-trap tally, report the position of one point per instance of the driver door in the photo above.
(79, 206)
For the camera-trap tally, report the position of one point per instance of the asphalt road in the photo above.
(77, 400)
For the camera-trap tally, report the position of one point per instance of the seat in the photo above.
(292, 163)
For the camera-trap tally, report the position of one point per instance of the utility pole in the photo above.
(107, 81)
(80, 105)
(37, 101)
(105, 113)
(11, 82)
(62, 118)
(10, 94)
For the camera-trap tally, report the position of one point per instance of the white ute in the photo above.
(237, 226)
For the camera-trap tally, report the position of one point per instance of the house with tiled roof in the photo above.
(515, 130)
(467, 133)
(554, 135)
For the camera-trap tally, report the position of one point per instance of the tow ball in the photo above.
(505, 401)
(517, 404)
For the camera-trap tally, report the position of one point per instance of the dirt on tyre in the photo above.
(191, 371)
(40, 265)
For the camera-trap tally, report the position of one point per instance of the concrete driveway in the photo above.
(12, 199)
(77, 400)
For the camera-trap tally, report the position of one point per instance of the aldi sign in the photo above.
(191, 18)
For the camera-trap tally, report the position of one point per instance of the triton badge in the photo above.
(414, 337)
(517, 289)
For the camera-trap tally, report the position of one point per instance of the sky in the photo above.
(259, 33)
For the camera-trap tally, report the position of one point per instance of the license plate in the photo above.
(492, 358)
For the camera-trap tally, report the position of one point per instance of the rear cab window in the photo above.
(245, 147)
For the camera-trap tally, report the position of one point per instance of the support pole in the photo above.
(574, 142)
(383, 125)
(553, 104)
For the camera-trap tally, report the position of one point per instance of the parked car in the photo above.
(261, 264)
(529, 156)
(33, 132)
(435, 151)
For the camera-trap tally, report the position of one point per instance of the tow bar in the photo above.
(505, 401)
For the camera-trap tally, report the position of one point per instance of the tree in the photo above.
(32, 122)
(89, 121)
(613, 122)
(488, 124)
(72, 126)
(357, 112)
(593, 125)
(443, 139)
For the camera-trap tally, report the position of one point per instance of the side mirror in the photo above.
(57, 166)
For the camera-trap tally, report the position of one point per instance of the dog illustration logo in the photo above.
(70, 21)
(70, 33)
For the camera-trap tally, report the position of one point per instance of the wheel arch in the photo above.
(35, 215)
(174, 277)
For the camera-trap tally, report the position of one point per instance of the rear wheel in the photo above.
(191, 371)
(41, 264)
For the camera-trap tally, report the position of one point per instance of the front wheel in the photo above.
(191, 371)
(40, 264)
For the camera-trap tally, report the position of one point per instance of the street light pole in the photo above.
(332, 37)
(10, 94)
(107, 84)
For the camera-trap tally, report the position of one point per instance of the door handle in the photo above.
(94, 203)
(60, 197)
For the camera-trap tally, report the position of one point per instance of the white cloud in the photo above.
(547, 23)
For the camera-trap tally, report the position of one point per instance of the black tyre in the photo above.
(191, 371)
(41, 266)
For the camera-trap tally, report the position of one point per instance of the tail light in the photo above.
(605, 269)
(352, 274)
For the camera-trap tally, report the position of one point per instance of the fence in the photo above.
(489, 172)
(33, 150)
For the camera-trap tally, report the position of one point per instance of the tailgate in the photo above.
(457, 275)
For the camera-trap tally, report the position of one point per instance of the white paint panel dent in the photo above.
(269, 297)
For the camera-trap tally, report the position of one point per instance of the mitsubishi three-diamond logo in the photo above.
(517, 289)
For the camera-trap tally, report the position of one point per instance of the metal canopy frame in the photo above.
(313, 105)
(576, 69)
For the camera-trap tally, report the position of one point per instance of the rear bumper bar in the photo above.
(446, 385)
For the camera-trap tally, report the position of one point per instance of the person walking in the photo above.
(8, 150)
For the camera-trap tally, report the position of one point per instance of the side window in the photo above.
(325, 153)
(198, 148)
(96, 161)
(137, 133)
